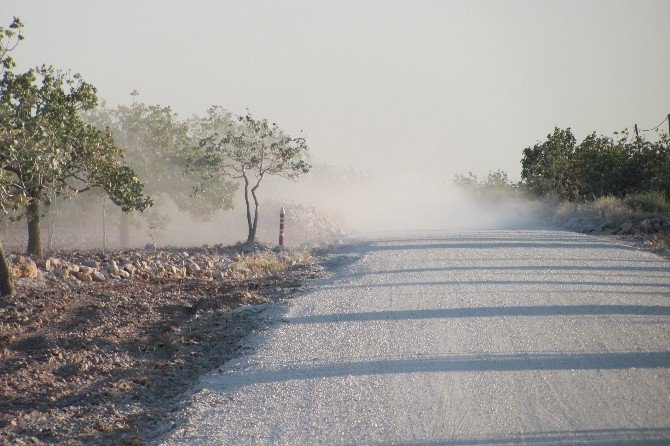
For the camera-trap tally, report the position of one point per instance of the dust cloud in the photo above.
(374, 202)
(328, 205)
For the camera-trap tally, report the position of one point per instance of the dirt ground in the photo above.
(109, 362)
(106, 363)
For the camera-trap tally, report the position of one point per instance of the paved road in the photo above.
(504, 337)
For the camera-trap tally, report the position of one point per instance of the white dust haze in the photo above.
(397, 96)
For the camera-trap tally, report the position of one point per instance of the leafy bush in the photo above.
(611, 208)
(547, 167)
(654, 201)
(496, 187)
(598, 166)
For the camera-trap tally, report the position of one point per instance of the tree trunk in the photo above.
(254, 226)
(34, 233)
(124, 230)
(6, 286)
(252, 230)
(251, 234)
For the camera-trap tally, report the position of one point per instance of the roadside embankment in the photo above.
(611, 216)
(98, 347)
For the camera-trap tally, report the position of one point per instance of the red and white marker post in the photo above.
(282, 214)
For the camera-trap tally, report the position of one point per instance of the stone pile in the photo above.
(205, 263)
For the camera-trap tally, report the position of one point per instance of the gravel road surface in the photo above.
(469, 338)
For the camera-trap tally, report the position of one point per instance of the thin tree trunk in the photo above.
(250, 234)
(6, 286)
(34, 233)
(124, 230)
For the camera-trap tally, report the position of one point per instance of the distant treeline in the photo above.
(622, 166)
(598, 166)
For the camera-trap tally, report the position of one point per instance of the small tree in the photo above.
(8, 202)
(155, 142)
(9, 38)
(248, 150)
(546, 167)
(600, 166)
(53, 152)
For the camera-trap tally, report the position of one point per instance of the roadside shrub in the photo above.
(612, 208)
(495, 188)
(598, 166)
(654, 201)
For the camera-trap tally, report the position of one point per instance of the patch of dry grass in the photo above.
(611, 208)
(268, 262)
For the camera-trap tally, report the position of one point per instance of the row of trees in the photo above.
(199, 163)
(48, 150)
(495, 188)
(157, 145)
(598, 166)
(57, 142)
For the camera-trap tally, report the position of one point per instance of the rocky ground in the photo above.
(97, 348)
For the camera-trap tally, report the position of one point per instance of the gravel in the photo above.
(500, 337)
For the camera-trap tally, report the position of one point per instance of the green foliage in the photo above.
(599, 166)
(546, 167)
(497, 186)
(52, 151)
(246, 149)
(654, 201)
(156, 143)
(9, 39)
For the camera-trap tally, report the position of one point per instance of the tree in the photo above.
(248, 150)
(8, 202)
(9, 39)
(156, 142)
(546, 167)
(53, 152)
(600, 166)
(661, 177)
(647, 165)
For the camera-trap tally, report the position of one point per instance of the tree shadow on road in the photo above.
(471, 312)
(549, 268)
(552, 283)
(592, 437)
(469, 363)
(476, 243)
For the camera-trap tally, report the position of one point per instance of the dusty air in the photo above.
(336, 223)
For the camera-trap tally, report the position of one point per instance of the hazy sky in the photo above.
(422, 86)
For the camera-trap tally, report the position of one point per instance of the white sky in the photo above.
(436, 87)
